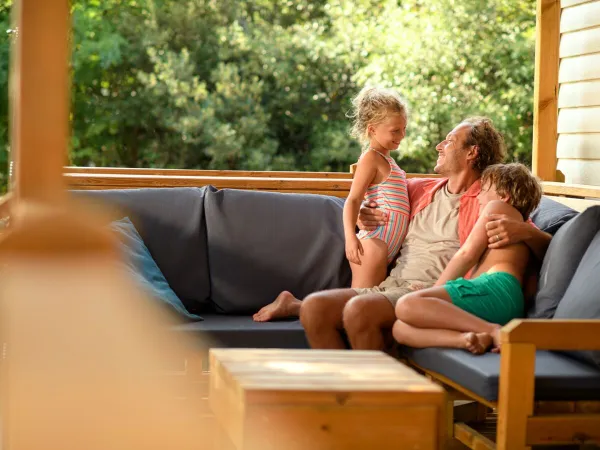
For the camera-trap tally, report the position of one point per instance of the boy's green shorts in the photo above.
(495, 297)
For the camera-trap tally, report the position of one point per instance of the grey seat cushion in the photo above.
(551, 215)
(582, 298)
(557, 377)
(261, 243)
(242, 332)
(564, 254)
(171, 223)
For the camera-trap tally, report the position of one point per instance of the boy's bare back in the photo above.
(512, 258)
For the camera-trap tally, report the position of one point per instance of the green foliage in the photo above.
(266, 84)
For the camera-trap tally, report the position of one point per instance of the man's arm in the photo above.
(503, 230)
(476, 244)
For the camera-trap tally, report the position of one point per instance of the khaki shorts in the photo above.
(393, 288)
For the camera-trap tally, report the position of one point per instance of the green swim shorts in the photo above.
(496, 297)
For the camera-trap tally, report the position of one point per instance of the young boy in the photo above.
(468, 313)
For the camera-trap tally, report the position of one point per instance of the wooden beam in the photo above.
(571, 190)
(563, 429)
(553, 334)
(472, 438)
(39, 91)
(545, 96)
(515, 396)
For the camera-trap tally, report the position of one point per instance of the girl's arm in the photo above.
(476, 244)
(365, 173)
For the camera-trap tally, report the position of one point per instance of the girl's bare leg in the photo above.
(476, 343)
(433, 309)
(373, 267)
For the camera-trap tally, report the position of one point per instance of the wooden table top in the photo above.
(317, 371)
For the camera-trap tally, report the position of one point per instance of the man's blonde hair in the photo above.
(370, 107)
(516, 182)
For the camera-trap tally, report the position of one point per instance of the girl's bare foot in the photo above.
(285, 305)
(496, 337)
(478, 343)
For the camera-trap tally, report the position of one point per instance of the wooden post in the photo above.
(515, 403)
(545, 97)
(39, 92)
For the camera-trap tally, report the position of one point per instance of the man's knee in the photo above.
(364, 312)
(316, 310)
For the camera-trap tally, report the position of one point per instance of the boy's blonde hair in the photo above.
(370, 107)
(516, 182)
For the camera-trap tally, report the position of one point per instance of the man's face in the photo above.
(452, 153)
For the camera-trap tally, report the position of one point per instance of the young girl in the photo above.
(380, 117)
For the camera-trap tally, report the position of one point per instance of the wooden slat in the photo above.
(580, 42)
(205, 173)
(586, 146)
(553, 334)
(472, 438)
(40, 98)
(579, 68)
(573, 190)
(579, 120)
(568, 3)
(546, 89)
(582, 16)
(515, 395)
(563, 429)
(84, 181)
(577, 204)
(5, 205)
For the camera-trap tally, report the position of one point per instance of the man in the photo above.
(443, 212)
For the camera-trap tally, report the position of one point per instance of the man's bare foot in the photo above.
(285, 305)
(478, 343)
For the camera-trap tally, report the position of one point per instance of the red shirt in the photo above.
(422, 190)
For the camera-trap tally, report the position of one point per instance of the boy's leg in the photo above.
(405, 334)
(433, 308)
(373, 267)
(321, 316)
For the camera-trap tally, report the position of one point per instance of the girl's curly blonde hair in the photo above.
(372, 106)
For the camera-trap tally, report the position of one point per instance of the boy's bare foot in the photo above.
(285, 305)
(478, 343)
(496, 337)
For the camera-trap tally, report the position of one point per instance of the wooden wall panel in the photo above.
(578, 146)
(579, 68)
(580, 43)
(579, 17)
(585, 93)
(579, 120)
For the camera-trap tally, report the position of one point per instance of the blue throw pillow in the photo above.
(144, 269)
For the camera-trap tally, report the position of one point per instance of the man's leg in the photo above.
(321, 317)
(366, 319)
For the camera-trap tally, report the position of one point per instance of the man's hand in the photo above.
(369, 217)
(503, 230)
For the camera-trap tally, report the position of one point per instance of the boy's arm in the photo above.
(476, 244)
(364, 175)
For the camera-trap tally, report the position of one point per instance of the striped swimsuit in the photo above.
(391, 195)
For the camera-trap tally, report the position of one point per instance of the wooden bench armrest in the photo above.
(553, 334)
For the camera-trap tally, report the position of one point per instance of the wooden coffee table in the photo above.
(268, 399)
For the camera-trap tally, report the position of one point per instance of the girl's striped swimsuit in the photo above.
(391, 196)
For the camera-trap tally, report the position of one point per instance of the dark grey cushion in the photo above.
(171, 223)
(562, 258)
(582, 298)
(550, 215)
(260, 243)
(557, 377)
(242, 332)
